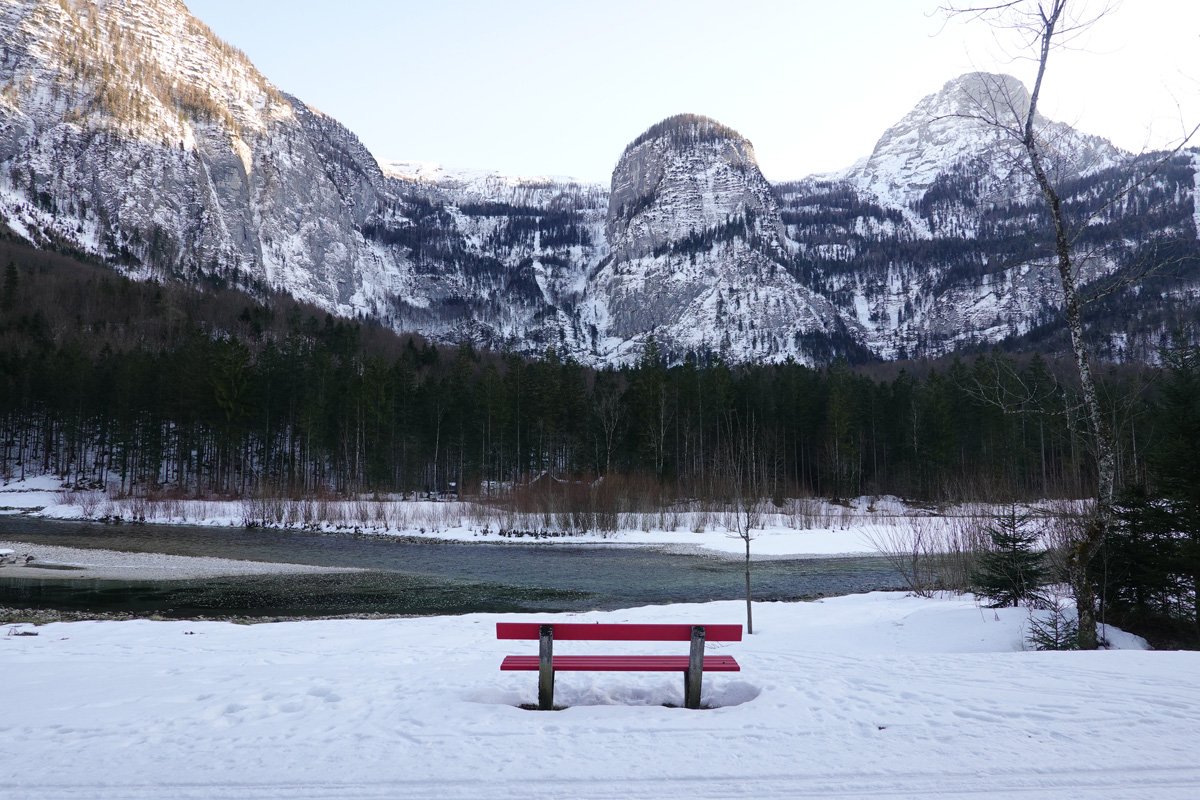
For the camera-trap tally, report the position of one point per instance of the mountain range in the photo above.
(131, 135)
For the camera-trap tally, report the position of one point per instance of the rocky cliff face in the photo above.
(685, 175)
(130, 132)
(957, 131)
(936, 240)
(698, 253)
(501, 261)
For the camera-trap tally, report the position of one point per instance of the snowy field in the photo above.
(868, 696)
(805, 527)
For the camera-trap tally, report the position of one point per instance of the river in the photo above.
(402, 576)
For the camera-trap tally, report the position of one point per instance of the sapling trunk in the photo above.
(749, 610)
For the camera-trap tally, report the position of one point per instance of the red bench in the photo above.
(693, 666)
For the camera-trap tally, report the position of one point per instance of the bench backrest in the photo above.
(578, 631)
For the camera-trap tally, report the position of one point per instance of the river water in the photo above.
(402, 576)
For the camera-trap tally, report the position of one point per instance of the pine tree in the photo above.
(1175, 466)
(1135, 571)
(12, 279)
(1011, 571)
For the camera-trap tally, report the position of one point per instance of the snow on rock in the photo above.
(864, 696)
(131, 133)
(936, 240)
(698, 253)
(961, 127)
(486, 183)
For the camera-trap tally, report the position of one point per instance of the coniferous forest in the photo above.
(141, 386)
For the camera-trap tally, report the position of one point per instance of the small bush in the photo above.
(1055, 629)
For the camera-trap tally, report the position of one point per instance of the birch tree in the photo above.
(1043, 27)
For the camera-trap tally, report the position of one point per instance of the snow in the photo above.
(810, 527)
(478, 179)
(30, 495)
(879, 695)
(800, 528)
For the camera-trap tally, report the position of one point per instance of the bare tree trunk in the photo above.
(749, 607)
(1084, 548)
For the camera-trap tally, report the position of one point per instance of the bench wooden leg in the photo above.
(546, 668)
(693, 678)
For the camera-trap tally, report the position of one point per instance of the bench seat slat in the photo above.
(623, 632)
(620, 664)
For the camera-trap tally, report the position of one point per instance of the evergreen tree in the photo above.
(12, 279)
(1175, 465)
(1134, 570)
(1056, 630)
(1011, 571)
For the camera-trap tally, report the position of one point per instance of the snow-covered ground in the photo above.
(879, 695)
(805, 527)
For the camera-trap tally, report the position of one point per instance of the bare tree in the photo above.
(744, 478)
(609, 411)
(910, 548)
(1043, 27)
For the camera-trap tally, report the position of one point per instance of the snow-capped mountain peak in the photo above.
(969, 123)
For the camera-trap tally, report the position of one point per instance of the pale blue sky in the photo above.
(560, 87)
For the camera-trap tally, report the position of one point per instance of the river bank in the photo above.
(796, 528)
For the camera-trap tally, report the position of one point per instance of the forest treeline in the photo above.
(145, 387)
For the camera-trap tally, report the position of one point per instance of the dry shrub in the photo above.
(172, 508)
(910, 550)
(382, 513)
(1067, 523)
(363, 513)
(89, 502)
(135, 509)
(570, 507)
(932, 552)
(962, 540)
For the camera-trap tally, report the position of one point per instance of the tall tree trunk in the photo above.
(1081, 551)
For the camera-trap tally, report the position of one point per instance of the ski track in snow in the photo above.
(876, 695)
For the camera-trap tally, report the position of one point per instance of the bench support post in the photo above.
(546, 668)
(695, 671)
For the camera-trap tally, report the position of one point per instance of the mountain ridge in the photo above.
(130, 132)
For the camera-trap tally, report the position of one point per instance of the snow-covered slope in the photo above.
(936, 240)
(961, 129)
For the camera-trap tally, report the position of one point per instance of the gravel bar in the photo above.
(51, 561)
